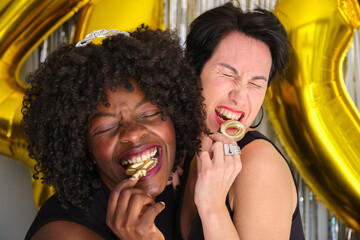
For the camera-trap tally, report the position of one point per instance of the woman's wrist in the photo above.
(212, 211)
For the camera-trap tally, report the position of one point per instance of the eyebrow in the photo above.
(259, 78)
(101, 114)
(237, 73)
(229, 67)
(142, 102)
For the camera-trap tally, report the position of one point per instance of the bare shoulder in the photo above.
(261, 160)
(263, 192)
(64, 230)
(262, 155)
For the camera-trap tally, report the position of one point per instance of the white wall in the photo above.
(17, 208)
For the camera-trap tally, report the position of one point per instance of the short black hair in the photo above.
(70, 84)
(207, 30)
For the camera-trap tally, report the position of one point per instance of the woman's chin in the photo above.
(153, 190)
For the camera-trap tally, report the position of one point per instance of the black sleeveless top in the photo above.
(196, 231)
(95, 218)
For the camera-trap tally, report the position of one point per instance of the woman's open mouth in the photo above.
(137, 160)
(224, 114)
(141, 157)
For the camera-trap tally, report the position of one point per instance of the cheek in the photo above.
(216, 93)
(258, 97)
(167, 134)
(256, 100)
(101, 149)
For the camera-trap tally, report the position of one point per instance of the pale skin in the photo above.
(263, 194)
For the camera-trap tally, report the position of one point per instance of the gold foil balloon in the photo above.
(311, 110)
(24, 25)
(124, 15)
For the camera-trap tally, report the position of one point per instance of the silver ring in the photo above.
(230, 149)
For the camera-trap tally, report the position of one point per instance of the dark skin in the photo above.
(132, 212)
(126, 127)
(74, 84)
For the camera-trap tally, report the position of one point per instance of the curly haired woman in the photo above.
(94, 109)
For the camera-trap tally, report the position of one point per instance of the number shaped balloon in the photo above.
(24, 25)
(311, 111)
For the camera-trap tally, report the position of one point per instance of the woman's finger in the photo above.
(206, 143)
(218, 137)
(218, 157)
(115, 195)
(151, 212)
(138, 204)
(237, 163)
(203, 162)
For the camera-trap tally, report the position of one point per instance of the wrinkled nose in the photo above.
(133, 133)
(239, 94)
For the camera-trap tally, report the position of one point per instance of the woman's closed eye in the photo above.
(255, 84)
(225, 73)
(149, 115)
(105, 129)
(228, 75)
(258, 83)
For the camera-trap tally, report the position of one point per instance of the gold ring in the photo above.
(233, 124)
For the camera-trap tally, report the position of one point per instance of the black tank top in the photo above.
(94, 219)
(196, 231)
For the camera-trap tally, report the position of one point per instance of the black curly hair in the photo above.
(71, 83)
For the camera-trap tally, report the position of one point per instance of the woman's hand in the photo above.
(131, 212)
(216, 173)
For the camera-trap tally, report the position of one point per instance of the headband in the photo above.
(102, 33)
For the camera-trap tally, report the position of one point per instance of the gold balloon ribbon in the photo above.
(311, 111)
(24, 25)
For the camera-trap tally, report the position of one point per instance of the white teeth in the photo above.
(140, 157)
(153, 152)
(228, 114)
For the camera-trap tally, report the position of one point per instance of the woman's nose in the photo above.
(133, 133)
(239, 93)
